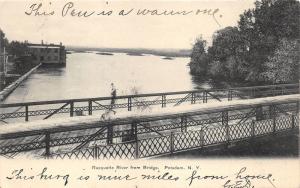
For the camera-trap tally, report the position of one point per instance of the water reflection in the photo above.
(51, 71)
(203, 83)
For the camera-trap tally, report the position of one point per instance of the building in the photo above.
(48, 54)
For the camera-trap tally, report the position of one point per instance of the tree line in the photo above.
(262, 48)
(18, 53)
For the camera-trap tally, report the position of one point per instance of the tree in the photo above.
(227, 53)
(23, 61)
(199, 59)
(3, 41)
(240, 53)
(17, 48)
(283, 67)
(263, 27)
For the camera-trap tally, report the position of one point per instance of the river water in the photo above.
(90, 75)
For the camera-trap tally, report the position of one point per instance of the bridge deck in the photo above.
(85, 122)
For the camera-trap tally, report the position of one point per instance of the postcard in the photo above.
(141, 94)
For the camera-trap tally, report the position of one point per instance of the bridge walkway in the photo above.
(77, 133)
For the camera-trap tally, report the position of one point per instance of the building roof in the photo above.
(42, 46)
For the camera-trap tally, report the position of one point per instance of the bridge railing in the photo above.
(87, 106)
(178, 132)
(180, 142)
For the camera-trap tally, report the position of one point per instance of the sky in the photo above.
(130, 31)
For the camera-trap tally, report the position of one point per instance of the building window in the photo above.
(42, 58)
(55, 58)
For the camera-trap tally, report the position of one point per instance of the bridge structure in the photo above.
(148, 125)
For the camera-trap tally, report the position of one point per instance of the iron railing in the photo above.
(117, 137)
(88, 106)
(179, 142)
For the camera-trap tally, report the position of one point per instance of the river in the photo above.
(90, 75)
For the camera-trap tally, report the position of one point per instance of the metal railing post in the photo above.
(225, 123)
(273, 115)
(47, 144)
(129, 103)
(193, 100)
(110, 130)
(26, 113)
(259, 113)
(270, 112)
(172, 143)
(71, 109)
(293, 121)
(95, 152)
(252, 129)
(183, 122)
(90, 107)
(204, 97)
(163, 101)
(229, 95)
(136, 149)
(201, 137)
(252, 132)
(225, 118)
(135, 132)
(228, 134)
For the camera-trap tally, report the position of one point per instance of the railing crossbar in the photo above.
(183, 99)
(107, 108)
(248, 115)
(142, 102)
(152, 130)
(214, 96)
(57, 110)
(89, 139)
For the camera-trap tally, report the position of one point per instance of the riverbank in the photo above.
(10, 88)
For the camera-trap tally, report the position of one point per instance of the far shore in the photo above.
(169, 53)
(104, 53)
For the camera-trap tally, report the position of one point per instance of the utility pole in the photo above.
(5, 59)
